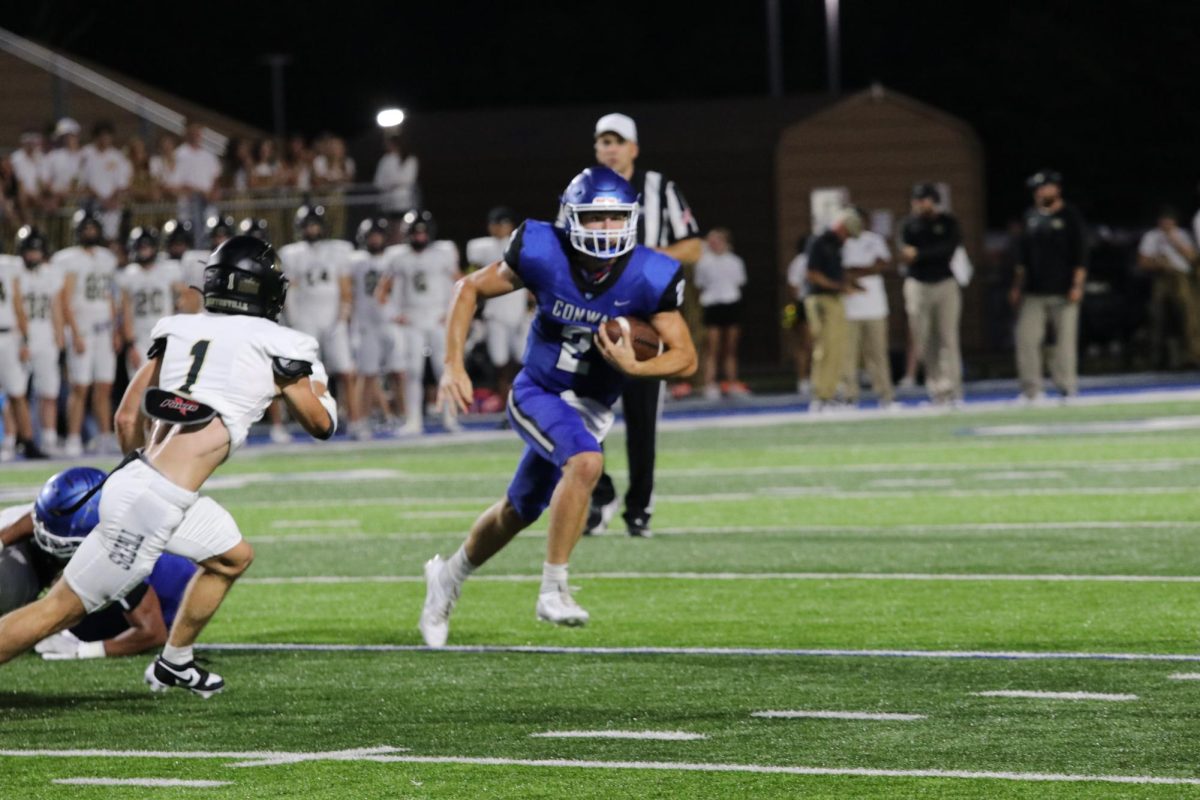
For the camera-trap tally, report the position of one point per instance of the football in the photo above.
(646, 343)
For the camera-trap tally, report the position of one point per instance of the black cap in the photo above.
(926, 191)
(502, 214)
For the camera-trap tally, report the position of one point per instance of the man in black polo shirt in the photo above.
(932, 298)
(1048, 284)
(827, 282)
(665, 224)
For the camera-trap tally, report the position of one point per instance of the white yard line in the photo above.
(1185, 676)
(316, 523)
(157, 783)
(253, 758)
(664, 766)
(855, 715)
(741, 576)
(985, 655)
(657, 736)
(1111, 698)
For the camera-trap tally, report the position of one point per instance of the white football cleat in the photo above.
(561, 609)
(279, 435)
(439, 602)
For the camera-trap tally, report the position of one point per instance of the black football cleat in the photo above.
(638, 527)
(161, 675)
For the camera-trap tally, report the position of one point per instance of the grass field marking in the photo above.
(148, 782)
(657, 736)
(1022, 475)
(911, 483)
(1154, 425)
(254, 758)
(740, 576)
(316, 523)
(984, 655)
(1184, 676)
(354, 754)
(856, 715)
(1018, 693)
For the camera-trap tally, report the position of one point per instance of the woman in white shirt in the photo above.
(720, 276)
(396, 178)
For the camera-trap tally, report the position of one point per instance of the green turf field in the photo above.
(836, 566)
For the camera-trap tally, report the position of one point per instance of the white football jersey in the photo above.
(423, 281)
(366, 271)
(39, 287)
(314, 270)
(509, 308)
(151, 295)
(95, 269)
(224, 361)
(11, 269)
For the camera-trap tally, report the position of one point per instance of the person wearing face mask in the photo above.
(1048, 287)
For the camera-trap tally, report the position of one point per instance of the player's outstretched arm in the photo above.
(21, 529)
(493, 280)
(678, 359)
(309, 402)
(146, 629)
(129, 421)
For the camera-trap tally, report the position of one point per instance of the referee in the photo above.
(665, 223)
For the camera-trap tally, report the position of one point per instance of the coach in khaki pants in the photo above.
(932, 297)
(827, 282)
(1048, 286)
(867, 257)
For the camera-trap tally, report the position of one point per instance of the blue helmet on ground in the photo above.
(600, 191)
(64, 513)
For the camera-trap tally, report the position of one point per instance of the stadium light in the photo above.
(389, 118)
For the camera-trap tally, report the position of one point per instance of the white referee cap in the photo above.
(66, 126)
(619, 124)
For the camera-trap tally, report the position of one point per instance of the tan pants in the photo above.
(866, 343)
(1174, 288)
(933, 315)
(827, 322)
(1035, 310)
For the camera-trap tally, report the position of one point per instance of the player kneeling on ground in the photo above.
(561, 401)
(207, 378)
(36, 541)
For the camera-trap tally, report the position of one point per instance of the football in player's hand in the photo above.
(646, 342)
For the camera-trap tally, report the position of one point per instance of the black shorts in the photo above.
(722, 315)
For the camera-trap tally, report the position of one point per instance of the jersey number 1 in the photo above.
(199, 351)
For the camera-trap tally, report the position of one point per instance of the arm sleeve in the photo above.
(672, 296)
(134, 598)
(157, 348)
(512, 252)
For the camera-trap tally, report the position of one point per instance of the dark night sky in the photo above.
(1107, 97)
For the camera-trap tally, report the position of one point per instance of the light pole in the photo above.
(774, 51)
(833, 46)
(276, 62)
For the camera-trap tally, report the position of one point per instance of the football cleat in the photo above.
(439, 602)
(161, 675)
(638, 526)
(560, 608)
(599, 515)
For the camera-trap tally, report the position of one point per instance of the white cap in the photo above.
(619, 124)
(65, 126)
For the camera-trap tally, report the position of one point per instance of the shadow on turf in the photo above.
(15, 705)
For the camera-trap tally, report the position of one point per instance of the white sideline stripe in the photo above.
(678, 766)
(254, 758)
(1153, 425)
(151, 782)
(657, 736)
(910, 483)
(1185, 676)
(1113, 698)
(744, 576)
(987, 655)
(863, 715)
(316, 523)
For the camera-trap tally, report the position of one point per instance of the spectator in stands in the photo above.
(720, 276)
(932, 296)
(867, 257)
(194, 179)
(162, 163)
(795, 318)
(396, 178)
(27, 167)
(332, 167)
(61, 166)
(1048, 284)
(506, 317)
(296, 168)
(264, 174)
(1169, 254)
(143, 188)
(827, 283)
(105, 177)
(238, 165)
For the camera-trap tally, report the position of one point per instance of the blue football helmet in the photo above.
(61, 518)
(600, 189)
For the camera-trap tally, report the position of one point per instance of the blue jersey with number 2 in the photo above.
(560, 354)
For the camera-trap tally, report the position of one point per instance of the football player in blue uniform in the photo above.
(561, 401)
(37, 540)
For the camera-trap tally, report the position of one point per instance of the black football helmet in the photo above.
(179, 232)
(309, 215)
(29, 240)
(1043, 177)
(419, 228)
(257, 228)
(220, 227)
(243, 276)
(367, 227)
(141, 237)
(88, 229)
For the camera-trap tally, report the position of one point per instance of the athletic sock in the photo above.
(554, 578)
(178, 655)
(459, 567)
